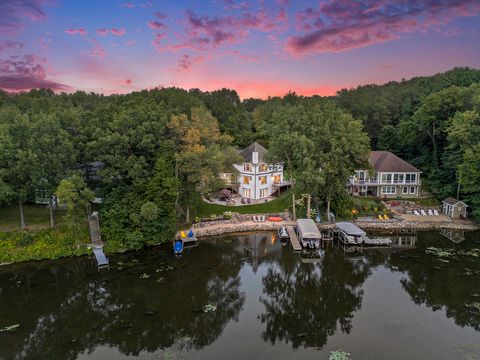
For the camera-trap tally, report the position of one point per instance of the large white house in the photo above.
(392, 178)
(254, 178)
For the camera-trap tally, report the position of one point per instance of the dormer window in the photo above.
(247, 167)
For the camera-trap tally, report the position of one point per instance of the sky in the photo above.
(260, 48)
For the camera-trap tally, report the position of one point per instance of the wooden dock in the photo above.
(294, 239)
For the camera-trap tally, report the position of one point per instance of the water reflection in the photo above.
(70, 309)
(268, 299)
(444, 283)
(306, 303)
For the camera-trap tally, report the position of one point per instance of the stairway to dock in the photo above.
(96, 239)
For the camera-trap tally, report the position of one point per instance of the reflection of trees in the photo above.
(452, 286)
(304, 303)
(69, 308)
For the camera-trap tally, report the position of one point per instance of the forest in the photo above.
(162, 149)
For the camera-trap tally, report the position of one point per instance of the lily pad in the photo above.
(10, 328)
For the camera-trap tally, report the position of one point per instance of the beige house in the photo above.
(392, 177)
(454, 208)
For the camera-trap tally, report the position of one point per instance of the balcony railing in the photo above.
(380, 182)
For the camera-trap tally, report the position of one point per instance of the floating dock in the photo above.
(294, 239)
(102, 260)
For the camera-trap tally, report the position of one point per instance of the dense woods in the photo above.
(160, 149)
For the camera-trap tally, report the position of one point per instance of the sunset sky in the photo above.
(258, 47)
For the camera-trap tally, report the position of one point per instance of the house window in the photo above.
(263, 167)
(247, 167)
(412, 189)
(277, 179)
(410, 178)
(386, 178)
(398, 178)
(388, 190)
(246, 193)
(246, 180)
(263, 180)
(263, 193)
(405, 190)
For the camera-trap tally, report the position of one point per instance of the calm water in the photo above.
(390, 304)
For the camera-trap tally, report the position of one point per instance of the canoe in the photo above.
(274, 218)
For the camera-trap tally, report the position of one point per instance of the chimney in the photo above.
(255, 157)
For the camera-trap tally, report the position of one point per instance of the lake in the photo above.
(249, 297)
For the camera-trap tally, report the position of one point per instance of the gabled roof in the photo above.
(247, 152)
(385, 161)
(452, 201)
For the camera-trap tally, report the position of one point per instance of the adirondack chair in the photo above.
(435, 212)
(416, 212)
(430, 212)
(423, 212)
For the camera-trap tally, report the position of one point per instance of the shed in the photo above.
(454, 208)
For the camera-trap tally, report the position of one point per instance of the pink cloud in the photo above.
(156, 25)
(80, 31)
(128, 5)
(204, 32)
(341, 25)
(160, 15)
(97, 50)
(11, 45)
(126, 82)
(13, 12)
(118, 32)
(186, 61)
(102, 32)
(25, 72)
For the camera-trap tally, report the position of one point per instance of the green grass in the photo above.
(203, 209)
(36, 217)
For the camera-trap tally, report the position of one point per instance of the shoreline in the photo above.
(230, 227)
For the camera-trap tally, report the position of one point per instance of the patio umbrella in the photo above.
(225, 193)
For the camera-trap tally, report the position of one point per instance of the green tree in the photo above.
(74, 192)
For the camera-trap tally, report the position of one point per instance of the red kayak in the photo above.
(274, 218)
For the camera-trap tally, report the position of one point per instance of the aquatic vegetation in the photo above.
(339, 355)
(10, 328)
(209, 308)
(438, 252)
(144, 276)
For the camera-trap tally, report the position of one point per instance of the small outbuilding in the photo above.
(454, 208)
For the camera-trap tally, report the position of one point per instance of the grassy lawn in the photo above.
(203, 209)
(36, 217)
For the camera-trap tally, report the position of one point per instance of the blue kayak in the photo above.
(177, 246)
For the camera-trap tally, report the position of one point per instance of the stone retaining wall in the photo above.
(215, 228)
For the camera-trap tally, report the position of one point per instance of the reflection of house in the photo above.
(454, 208)
(404, 238)
(457, 236)
(257, 247)
(392, 177)
(255, 178)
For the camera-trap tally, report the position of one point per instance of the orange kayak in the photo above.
(274, 218)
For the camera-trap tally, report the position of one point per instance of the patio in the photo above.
(226, 198)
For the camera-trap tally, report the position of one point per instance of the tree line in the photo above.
(160, 149)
